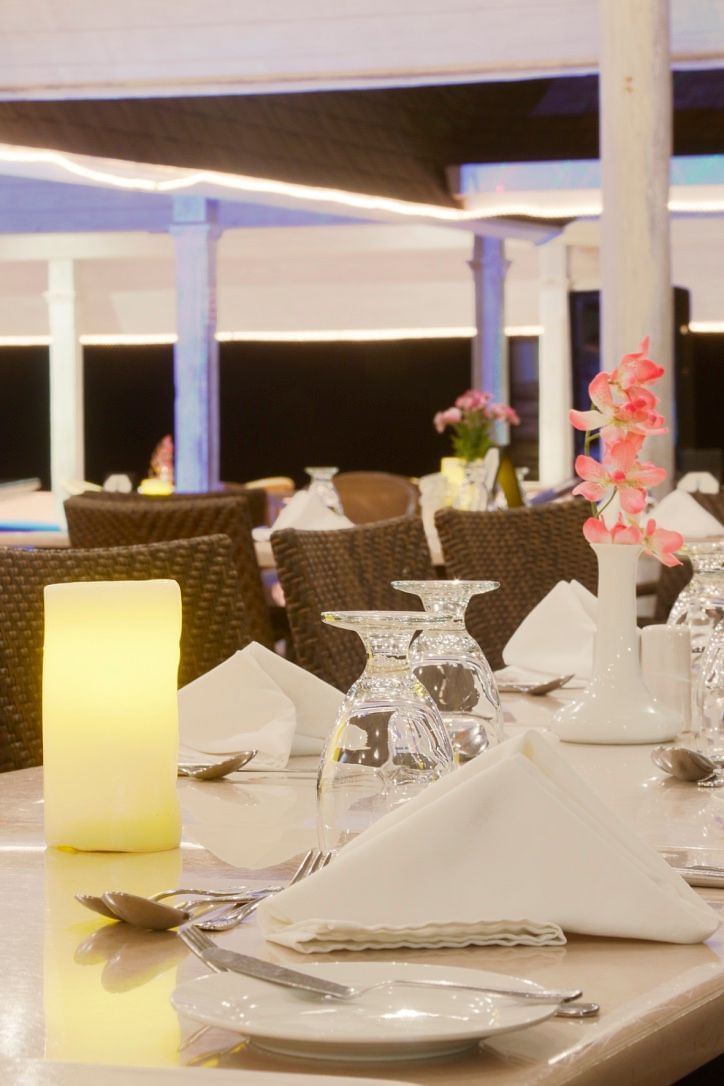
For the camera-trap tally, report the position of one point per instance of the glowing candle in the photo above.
(110, 716)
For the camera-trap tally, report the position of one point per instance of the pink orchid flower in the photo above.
(635, 415)
(595, 531)
(636, 369)
(473, 400)
(447, 418)
(621, 472)
(661, 543)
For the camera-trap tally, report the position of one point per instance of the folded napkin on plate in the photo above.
(556, 638)
(679, 512)
(256, 700)
(307, 513)
(511, 848)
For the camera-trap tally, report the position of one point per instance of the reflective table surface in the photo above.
(80, 989)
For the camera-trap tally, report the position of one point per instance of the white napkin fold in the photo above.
(679, 512)
(256, 700)
(305, 512)
(511, 848)
(556, 638)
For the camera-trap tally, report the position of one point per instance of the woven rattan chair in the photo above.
(212, 620)
(369, 496)
(527, 550)
(349, 569)
(673, 579)
(114, 522)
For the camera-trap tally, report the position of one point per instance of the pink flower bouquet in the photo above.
(623, 415)
(470, 418)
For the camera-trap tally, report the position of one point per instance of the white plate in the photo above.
(392, 1023)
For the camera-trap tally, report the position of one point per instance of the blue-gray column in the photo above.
(196, 355)
(489, 362)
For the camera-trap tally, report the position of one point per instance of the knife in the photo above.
(230, 960)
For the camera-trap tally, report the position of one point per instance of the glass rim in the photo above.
(408, 620)
(441, 582)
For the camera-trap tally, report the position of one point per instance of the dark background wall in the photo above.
(284, 406)
(24, 413)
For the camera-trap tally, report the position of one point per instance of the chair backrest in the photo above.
(527, 550)
(212, 627)
(369, 496)
(349, 569)
(674, 579)
(96, 520)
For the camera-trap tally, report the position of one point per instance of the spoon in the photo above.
(578, 1010)
(212, 771)
(469, 742)
(141, 912)
(536, 689)
(688, 765)
(97, 904)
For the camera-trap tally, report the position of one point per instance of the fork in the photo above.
(223, 919)
(222, 961)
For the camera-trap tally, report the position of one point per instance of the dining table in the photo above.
(82, 990)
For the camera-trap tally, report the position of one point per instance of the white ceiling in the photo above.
(127, 48)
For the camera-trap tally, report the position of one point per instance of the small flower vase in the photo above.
(473, 493)
(616, 707)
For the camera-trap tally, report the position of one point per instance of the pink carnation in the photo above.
(473, 400)
(447, 418)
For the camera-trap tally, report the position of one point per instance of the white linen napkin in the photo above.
(511, 848)
(679, 512)
(256, 700)
(305, 512)
(556, 638)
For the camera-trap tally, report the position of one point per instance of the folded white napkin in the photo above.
(511, 848)
(256, 700)
(305, 512)
(556, 638)
(679, 512)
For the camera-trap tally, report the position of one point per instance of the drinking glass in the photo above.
(700, 605)
(710, 698)
(388, 742)
(453, 667)
(322, 485)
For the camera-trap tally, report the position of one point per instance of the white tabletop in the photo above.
(79, 989)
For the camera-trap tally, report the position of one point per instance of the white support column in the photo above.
(636, 137)
(66, 378)
(555, 387)
(196, 355)
(489, 363)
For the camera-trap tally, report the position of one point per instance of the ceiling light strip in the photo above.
(344, 335)
(704, 327)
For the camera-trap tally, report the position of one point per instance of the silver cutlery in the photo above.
(212, 771)
(98, 904)
(536, 689)
(688, 765)
(140, 912)
(230, 961)
(225, 918)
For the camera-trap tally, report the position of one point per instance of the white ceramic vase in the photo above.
(616, 707)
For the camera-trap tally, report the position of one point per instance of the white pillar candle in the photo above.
(110, 715)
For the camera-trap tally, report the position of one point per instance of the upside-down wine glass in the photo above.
(388, 742)
(322, 485)
(453, 668)
(700, 605)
